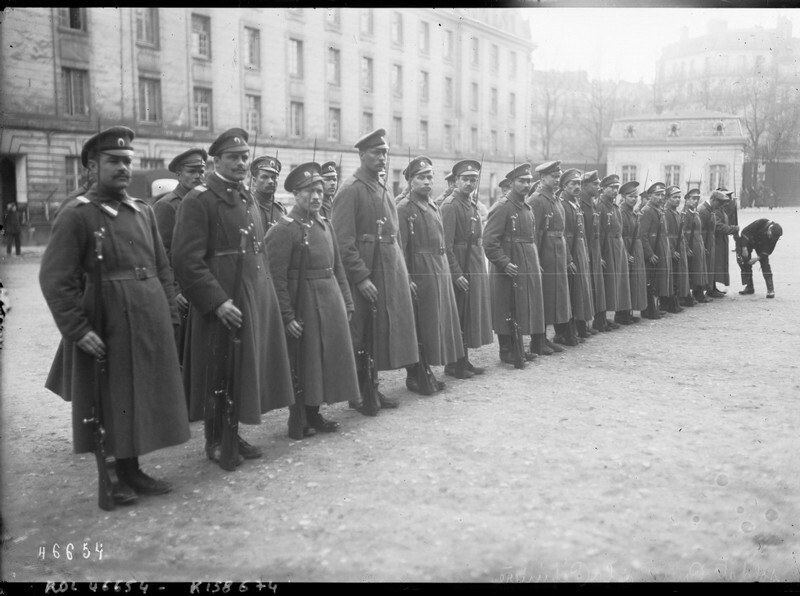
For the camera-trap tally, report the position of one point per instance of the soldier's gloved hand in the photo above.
(462, 284)
(229, 315)
(511, 270)
(413, 287)
(653, 260)
(676, 255)
(734, 229)
(368, 290)
(745, 253)
(92, 345)
(183, 303)
(689, 253)
(630, 259)
(571, 268)
(295, 328)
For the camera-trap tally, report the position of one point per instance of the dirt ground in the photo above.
(663, 451)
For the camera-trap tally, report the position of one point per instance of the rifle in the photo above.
(105, 499)
(425, 381)
(367, 373)
(517, 343)
(297, 344)
(226, 394)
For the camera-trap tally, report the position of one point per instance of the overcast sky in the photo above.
(625, 43)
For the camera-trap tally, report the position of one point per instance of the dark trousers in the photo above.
(16, 239)
(747, 271)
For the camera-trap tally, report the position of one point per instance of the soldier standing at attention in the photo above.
(695, 249)
(450, 179)
(590, 187)
(548, 212)
(680, 264)
(265, 171)
(463, 237)
(508, 240)
(630, 236)
(330, 182)
(362, 201)
(430, 272)
(658, 256)
(758, 241)
(205, 249)
(303, 243)
(718, 265)
(616, 278)
(142, 404)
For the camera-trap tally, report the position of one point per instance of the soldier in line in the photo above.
(330, 182)
(680, 260)
(758, 241)
(655, 243)
(142, 405)
(303, 243)
(718, 262)
(616, 277)
(548, 212)
(205, 250)
(580, 282)
(265, 171)
(695, 249)
(360, 203)
(508, 240)
(504, 186)
(450, 179)
(590, 187)
(637, 272)
(431, 280)
(463, 234)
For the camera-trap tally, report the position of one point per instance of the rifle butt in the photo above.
(229, 441)
(105, 497)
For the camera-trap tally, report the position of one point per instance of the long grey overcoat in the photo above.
(591, 226)
(616, 277)
(653, 233)
(680, 266)
(580, 283)
(637, 270)
(693, 234)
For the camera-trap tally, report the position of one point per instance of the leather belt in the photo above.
(555, 233)
(371, 238)
(137, 273)
(234, 251)
(435, 251)
(311, 273)
(521, 241)
(617, 235)
(476, 242)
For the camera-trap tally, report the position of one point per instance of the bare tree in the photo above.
(547, 112)
(596, 119)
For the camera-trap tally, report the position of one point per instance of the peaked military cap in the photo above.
(656, 187)
(548, 167)
(521, 171)
(192, 157)
(671, 190)
(450, 177)
(628, 187)
(233, 140)
(590, 176)
(609, 180)
(691, 193)
(466, 167)
(376, 138)
(328, 169)
(267, 163)
(505, 183)
(568, 176)
(302, 176)
(419, 165)
(113, 141)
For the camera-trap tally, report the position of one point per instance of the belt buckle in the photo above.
(140, 273)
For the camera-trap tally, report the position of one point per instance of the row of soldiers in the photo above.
(347, 282)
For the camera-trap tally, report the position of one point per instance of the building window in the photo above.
(448, 44)
(332, 17)
(512, 65)
(448, 91)
(423, 134)
(475, 51)
(447, 138)
(72, 18)
(201, 36)
(512, 143)
(151, 163)
(512, 105)
(296, 58)
(628, 173)
(424, 37)
(493, 102)
(495, 58)
(149, 100)
(334, 124)
(473, 139)
(76, 91)
(718, 176)
(74, 172)
(397, 28)
(253, 112)
(296, 119)
(367, 124)
(202, 108)
(424, 92)
(366, 74)
(672, 175)
(474, 96)
(252, 50)
(397, 80)
(493, 138)
(397, 130)
(334, 67)
(147, 26)
(367, 22)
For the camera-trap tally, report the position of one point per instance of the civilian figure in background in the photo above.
(265, 171)
(12, 228)
(616, 277)
(141, 394)
(756, 243)
(302, 243)
(330, 183)
(716, 226)
(637, 272)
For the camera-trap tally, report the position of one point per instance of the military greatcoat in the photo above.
(591, 226)
(430, 271)
(328, 366)
(509, 237)
(616, 277)
(142, 402)
(580, 283)
(719, 272)
(653, 233)
(637, 270)
(680, 266)
(205, 249)
(461, 220)
(708, 220)
(696, 250)
(270, 208)
(549, 215)
(360, 202)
